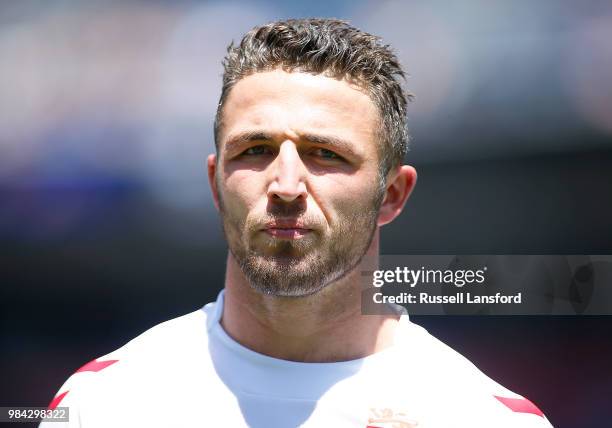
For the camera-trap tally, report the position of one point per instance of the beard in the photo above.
(301, 267)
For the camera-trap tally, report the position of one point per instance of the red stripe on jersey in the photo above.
(520, 405)
(96, 366)
(54, 403)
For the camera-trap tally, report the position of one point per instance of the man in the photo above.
(310, 135)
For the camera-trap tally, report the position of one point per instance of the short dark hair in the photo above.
(338, 50)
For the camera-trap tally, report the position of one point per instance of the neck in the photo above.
(323, 327)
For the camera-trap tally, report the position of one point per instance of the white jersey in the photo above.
(187, 372)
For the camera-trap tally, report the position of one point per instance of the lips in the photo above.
(287, 229)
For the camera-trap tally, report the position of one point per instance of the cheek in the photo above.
(343, 197)
(240, 193)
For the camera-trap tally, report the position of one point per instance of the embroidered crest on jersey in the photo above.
(388, 418)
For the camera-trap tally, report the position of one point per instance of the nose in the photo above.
(289, 175)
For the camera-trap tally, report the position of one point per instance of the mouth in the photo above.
(287, 230)
(283, 233)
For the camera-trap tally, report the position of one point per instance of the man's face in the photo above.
(297, 179)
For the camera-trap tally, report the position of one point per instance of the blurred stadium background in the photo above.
(106, 222)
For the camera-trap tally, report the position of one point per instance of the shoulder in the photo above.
(149, 354)
(450, 380)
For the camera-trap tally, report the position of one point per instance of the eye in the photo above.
(256, 151)
(326, 154)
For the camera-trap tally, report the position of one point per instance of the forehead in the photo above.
(278, 101)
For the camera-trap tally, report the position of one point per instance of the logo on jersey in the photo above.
(388, 418)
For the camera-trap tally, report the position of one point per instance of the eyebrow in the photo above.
(324, 140)
(251, 136)
(245, 138)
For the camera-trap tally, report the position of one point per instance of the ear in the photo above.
(212, 181)
(400, 183)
